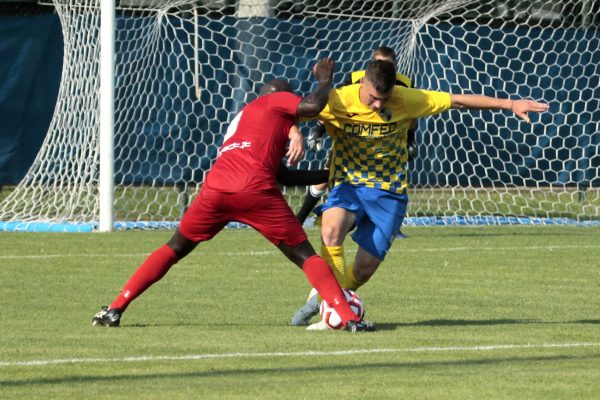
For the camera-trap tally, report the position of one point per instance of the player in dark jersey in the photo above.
(241, 186)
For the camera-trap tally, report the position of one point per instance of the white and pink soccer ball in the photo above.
(331, 318)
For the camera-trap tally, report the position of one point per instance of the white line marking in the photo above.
(69, 255)
(270, 252)
(193, 357)
(471, 249)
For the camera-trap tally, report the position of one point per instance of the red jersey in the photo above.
(254, 145)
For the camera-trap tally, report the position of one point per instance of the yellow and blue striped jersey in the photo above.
(369, 147)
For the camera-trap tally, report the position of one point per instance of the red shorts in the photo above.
(265, 211)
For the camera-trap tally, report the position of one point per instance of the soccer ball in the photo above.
(331, 317)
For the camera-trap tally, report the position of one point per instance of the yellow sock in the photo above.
(351, 282)
(334, 255)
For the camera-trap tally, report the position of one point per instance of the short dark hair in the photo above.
(275, 85)
(382, 75)
(386, 52)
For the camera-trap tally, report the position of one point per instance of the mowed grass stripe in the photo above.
(271, 252)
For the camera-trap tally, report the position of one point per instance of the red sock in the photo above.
(322, 278)
(152, 270)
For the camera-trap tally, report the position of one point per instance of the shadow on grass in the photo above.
(476, 322)
(386, 326)
(193, 324)
(285, 372)
(583, 231)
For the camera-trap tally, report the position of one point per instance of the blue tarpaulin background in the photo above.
(30, 69)
(564, 148)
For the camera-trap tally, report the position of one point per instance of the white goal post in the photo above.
(149, 86)
(106, 181)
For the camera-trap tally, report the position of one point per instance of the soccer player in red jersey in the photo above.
(241, 186)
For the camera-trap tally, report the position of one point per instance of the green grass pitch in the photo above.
(463, 313)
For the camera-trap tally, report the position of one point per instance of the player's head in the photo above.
(384, 53)
(276, 85)
(377, 86)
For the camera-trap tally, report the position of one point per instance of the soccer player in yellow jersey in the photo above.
(315, 137)
(368, 123)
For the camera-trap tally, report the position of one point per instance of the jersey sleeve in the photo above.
(421, 103)
(284, 103)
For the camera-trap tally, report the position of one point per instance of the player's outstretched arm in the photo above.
(300, 177)
(312, 104)
(519, 107)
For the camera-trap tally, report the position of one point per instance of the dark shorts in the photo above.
(266, 211)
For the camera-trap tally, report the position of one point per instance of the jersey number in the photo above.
(233, 127)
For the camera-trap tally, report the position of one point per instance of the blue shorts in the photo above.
(379, 215)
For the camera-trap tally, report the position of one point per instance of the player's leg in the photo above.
(153, 269)
(321, 278)
(335, 224)
(277, 223)
(340, 214)
(338, 217)
(315, 192)
(364, 266)
(198, 224)
(375, 234)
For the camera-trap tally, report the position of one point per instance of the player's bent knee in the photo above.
(181, 245)
(298, 254)
(332, 235)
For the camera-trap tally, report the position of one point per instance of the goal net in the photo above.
(184, 68)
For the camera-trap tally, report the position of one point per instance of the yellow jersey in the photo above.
(369, 147)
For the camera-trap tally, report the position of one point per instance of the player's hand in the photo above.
(295, 151)
(522, 107)
(323, 70)
(315, 138)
